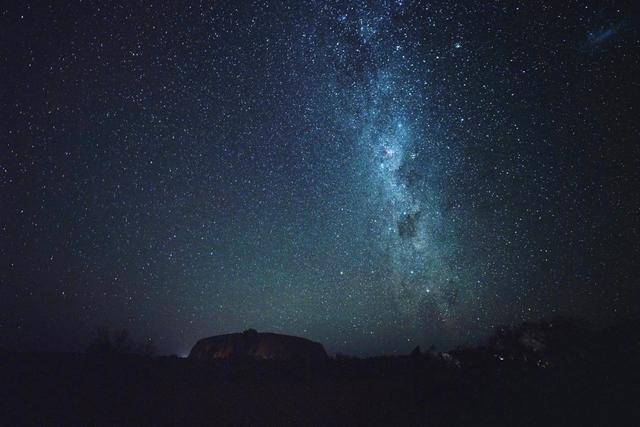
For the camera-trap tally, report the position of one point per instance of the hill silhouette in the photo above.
(259, 346)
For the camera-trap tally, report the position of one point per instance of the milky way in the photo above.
(407, 206)
(374, 175)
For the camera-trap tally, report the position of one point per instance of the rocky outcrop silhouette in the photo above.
(258, 346)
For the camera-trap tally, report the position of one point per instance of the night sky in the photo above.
(373, 175)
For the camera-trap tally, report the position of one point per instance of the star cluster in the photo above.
(374, 175)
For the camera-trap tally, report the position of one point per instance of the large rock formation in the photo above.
(259, 346)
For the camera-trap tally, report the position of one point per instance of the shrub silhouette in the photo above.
(106, 342)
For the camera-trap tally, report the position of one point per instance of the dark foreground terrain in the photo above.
(549, 374)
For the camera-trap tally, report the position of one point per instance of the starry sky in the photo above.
(373, 175)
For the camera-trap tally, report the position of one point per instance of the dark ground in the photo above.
(551, 374)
